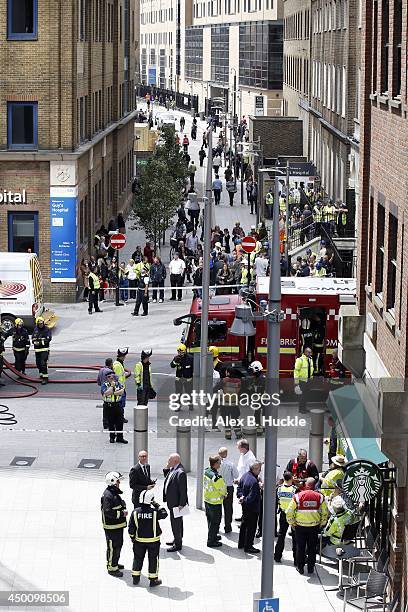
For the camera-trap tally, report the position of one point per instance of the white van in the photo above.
(21, 289)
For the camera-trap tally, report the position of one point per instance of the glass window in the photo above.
(194, 53)
(23, 232)
(22, 125)
(220, 54)
(22, 19)
(392, 262)
(379, 266)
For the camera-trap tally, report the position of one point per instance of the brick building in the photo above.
(66, 128)
(296, 62)
(374, 334)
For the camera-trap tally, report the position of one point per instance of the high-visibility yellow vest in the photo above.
(300, 373)
(95, 279)
(317, 214)
(282, 205)
(330, 481)
(215, 488)
(335, 526)
(269, 198)
(138, 268)
(306, 510)
(119, 370)
(329, 213)
(285, 494)
(138, 372)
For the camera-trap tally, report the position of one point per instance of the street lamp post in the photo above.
(273, 354)
(205, 301)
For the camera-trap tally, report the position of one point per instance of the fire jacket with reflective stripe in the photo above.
(119, 370)
(21, 339)
(112, 507)
(336, 524)
(215, 489)
(41, 339)
(184, 366)
(144, 523)
(285, 494)
(307, 509)
(331, 480)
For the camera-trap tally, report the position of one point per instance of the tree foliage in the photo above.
(160, 187)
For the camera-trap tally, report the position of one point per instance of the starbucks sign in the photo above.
(362, 480)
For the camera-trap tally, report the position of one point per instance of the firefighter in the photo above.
(21, 345)
(145, 532)
(318, 345)
(230, 412)
(339, 518)
(94, 285)
(3, 338)
(143, 378)
(303, 374)
(183, 362)
(334, 476)
(41, 341)
(112, 392)
(256, 384)
(307, 513)
(284, 493)
(337, 371)
(119, 369)
(306, 334)
(217, 363)
(114, 515)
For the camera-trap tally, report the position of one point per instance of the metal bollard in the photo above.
(316, 437)
(249, 433)
(140, 433)
(183, 442)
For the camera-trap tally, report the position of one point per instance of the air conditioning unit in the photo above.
(371, 327)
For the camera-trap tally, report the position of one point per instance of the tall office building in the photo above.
(66, 128)
(241, 39)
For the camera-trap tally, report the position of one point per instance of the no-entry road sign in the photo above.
(118, 241)
(248, 244)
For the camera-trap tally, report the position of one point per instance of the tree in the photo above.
(160, 189)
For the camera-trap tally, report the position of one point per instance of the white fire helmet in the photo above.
(256, 366)
(146, 497)
(112, 478)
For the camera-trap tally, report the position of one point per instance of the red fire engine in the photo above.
(308, 304)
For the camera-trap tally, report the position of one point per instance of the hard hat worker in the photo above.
(183, 363)
(21, 345)
(112, 392)
(41, 339)
(144, 530)
(114, 515)
(119, 369)
(303, 374)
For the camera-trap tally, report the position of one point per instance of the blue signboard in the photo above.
(63, 234)
(268, 605)
(151, 75)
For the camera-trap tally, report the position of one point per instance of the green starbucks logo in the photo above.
(362, 480)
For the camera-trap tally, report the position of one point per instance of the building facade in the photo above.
(233, 52)
(296, 62)
(66, 128)
(374, 338)
(162, 27)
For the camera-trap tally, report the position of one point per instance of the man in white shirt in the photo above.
(176, 268)
(229, 473)
(261, 264)
(246, 457)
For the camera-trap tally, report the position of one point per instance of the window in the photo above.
(392, 263)
(370, 242)
(23, 232)
(379, 262)
(22, 19)
(396, 57)
(343, 92)
(384, 45)
(328, 86)
(375, 46)
(22, 125)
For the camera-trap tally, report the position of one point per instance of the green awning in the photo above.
(354, 425)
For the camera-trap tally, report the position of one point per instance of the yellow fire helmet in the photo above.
(214, 350)
(182, 347)
(18, 321)
(39, 320)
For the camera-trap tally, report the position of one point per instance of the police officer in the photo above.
(21, 345)
(94, 285)
(183, 362)
(340, 517)
(302, 375)
(114, 515)
(145, 532)
(307, 513)
(143, 378)
(341, 217)
(284, 494)
(119, 369)
(112, 392)
(142, 294)
(41, 341)
(215, 491)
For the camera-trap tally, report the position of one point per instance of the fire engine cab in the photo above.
(310, 309)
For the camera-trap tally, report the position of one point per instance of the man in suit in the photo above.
(175, 495)
(139, 478)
